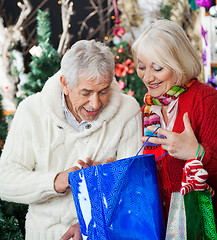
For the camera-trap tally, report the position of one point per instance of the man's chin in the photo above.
(92, 118)
(89, 118)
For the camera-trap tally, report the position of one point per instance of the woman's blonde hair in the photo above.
(167, 45)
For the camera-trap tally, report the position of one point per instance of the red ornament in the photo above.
(120, 50)
(126, 67)
(118, 31)
(6, 88)
(121, 84)
(130, 93)
(130, 66)
(120, 70)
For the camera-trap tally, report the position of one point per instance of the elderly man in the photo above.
(79, 117)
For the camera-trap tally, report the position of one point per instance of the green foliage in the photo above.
(3, 126)
(125, 72)
(43, 26)
(45, 63)
(12, 215)
(12, 221)
(165, 11)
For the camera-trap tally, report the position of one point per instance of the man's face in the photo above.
(88, 98)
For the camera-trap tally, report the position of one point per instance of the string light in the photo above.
(59, 2)
(112, 17)
(19, 4)
(69, 25)
(106, 38)
(117, 57)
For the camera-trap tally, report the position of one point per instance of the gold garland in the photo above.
(131, 15)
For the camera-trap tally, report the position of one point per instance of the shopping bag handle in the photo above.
(147, 141)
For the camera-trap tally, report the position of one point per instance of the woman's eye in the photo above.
(157, 68)
(141, 67)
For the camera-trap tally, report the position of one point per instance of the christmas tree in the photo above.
(10, 227)
(45, 59)
(125, 72)
(3, 127)
(12, 215)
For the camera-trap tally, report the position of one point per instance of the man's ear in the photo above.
(64, 85)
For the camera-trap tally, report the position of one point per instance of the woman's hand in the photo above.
(179, 145)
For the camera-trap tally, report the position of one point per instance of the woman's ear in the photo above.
(64, 85)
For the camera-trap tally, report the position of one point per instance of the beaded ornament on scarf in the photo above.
(152, 119)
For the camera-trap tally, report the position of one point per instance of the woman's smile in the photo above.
(157, 79)
(154, 85)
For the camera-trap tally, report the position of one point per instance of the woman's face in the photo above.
(157, 79)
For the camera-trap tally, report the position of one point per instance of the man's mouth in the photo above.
(91, 112)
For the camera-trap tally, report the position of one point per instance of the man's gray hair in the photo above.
(87, 58)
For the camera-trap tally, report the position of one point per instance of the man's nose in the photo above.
(95, 101)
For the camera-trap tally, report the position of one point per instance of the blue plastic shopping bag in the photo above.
(119, 200)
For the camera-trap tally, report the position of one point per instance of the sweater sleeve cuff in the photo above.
(46, 186)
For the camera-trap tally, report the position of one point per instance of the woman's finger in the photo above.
(143, 139)
(157, 140)
(160, 131)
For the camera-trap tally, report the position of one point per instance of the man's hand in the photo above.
(90, 162)
(73, 232)
(110, 159)
(61, 181)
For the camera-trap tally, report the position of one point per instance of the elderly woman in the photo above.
(184, 108)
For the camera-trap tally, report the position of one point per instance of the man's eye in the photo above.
(104, 91)
(85, 94)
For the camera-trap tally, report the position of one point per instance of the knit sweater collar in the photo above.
(51, 95)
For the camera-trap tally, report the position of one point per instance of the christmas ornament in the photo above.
(194, 178)
(118, 31)
(204, 3)
(203, 32)
(121, 84)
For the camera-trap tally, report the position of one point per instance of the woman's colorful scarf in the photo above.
(152, 119)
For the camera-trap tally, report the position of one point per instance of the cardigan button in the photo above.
(88, 126)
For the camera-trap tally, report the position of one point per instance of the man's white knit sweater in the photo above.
(40, 144)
